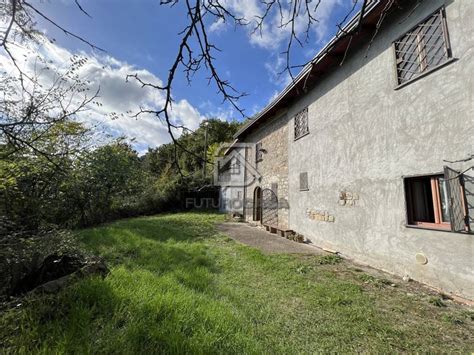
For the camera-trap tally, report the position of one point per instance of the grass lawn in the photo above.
(178, 286)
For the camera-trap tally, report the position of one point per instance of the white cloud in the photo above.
(116, 94)
(273, 37)
(217, 26)
(223, 111)
(272, 34)
(276, 70)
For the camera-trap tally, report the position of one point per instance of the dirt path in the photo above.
(265, 241)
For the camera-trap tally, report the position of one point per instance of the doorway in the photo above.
(257, 204)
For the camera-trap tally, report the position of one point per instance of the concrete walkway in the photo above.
(268, 243)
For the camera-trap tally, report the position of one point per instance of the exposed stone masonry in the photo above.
(273, 168)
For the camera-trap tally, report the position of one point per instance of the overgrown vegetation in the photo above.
(177, 286)
(75, 185)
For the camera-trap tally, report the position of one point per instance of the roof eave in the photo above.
(312, 65)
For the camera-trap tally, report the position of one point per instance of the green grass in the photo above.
(178, 286)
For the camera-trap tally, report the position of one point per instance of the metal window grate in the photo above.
(304, 181)
(423, 48)
(258, 152)
(301, 123)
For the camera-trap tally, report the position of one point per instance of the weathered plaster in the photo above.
(365, 136)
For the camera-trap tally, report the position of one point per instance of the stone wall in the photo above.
(273, 168)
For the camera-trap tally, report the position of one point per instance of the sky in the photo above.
(142, 37)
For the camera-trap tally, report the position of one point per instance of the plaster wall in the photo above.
(365, 136)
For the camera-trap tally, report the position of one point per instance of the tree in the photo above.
(104, 184)
(191, 160)
(41, 108)
(196, 52)
(31, 185)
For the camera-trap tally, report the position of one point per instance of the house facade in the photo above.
(370, 158)
(230, 176)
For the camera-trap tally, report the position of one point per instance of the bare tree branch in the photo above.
(63, 29)
(82, 9)
(197, 53)
(10, 25)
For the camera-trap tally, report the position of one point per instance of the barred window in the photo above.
(258, 152)
(304, 186)
(301, 123)
(423, 48)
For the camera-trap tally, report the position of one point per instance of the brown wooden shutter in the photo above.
(457, 200)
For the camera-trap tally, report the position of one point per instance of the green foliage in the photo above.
(437, 301)
(178, 286)
(329, 259)
(104, 184)
(72, 185)
(159, 160)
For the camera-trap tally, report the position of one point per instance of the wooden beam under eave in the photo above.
(368, 28)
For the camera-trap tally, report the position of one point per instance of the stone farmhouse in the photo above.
(372, 158)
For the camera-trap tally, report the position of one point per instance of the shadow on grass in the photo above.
(176, 288)
(159, 297)
(165, 244)
(127, 313)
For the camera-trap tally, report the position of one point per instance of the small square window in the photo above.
(301, 123)
(423, 48)
(304, 181)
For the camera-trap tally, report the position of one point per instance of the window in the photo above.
(258, 152)
(437, 201)
(427, 201)
(423, 48)
(235, 167)
(301, 123)
(304, 182)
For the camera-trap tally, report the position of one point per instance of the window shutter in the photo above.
(457, 200)
(304, 181)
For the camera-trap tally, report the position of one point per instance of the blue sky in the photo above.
(142, 35)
